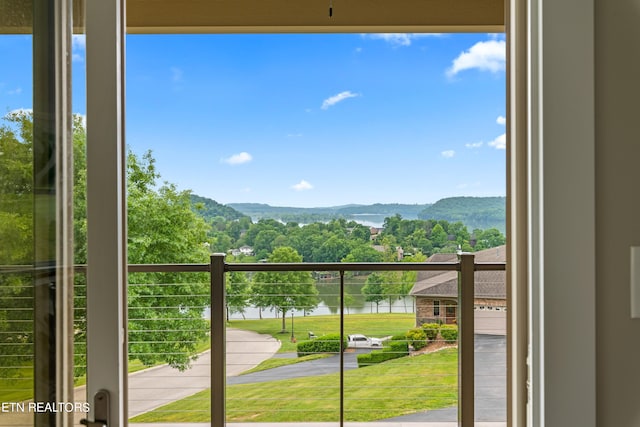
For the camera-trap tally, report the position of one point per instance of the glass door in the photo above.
(38, 322)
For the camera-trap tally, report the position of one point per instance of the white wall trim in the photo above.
(562, 213)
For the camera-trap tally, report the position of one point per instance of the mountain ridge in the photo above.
(474, 212)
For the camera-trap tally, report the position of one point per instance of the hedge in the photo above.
(417, 338)
(449, 332)
(431, 330)
(329, 343)
(398, 347)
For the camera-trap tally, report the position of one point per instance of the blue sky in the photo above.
(308, 120)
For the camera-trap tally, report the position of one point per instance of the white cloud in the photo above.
(79, 41)
(16, 91)
(501, 120)
(78, 47)
(447, 154)
(238, 159)
(486, 56)
(302, 186)
(294, 135)
(400, 39)
(474, 144)
(500, 143)
(333, 100)
(176, 74)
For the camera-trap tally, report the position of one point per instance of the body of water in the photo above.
(405, 305)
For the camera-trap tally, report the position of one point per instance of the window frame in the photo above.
(542, 113)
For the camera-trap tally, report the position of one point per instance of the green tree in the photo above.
(439, 236)
(165, 309)
(237, 293)
(284, 291)
(489, 238)
(408, 278)
(16, 189)
(373, 290)
(264, 242)
(16, 235)
(360, 232)
(332, 250)
(363, 253)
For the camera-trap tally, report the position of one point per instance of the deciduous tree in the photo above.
(284, 291)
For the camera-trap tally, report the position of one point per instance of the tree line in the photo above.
(166, 225)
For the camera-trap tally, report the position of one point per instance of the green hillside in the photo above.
(474, 212)
(308, 215)
(210, 209)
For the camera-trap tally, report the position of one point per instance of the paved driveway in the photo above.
(155, 387)
(247, 349)
(490, 379)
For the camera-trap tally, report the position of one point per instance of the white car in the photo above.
(360, 341)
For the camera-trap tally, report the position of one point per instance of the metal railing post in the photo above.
(218, 341)
(466, 280)
(342, 349)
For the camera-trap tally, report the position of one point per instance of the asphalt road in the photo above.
(327, 365)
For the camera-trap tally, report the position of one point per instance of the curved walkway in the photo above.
(151, 388)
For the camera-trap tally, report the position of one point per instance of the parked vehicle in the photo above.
(361, 341)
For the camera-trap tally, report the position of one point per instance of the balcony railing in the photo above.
(218, 268)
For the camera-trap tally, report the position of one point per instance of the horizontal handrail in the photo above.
(302, 266)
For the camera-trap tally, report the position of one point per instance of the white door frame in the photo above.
(561, 208)
(561, 144)
(106, 206)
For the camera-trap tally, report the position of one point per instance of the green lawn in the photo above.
(18, 388)
(276, 362)
(397, 387)
(376, 325)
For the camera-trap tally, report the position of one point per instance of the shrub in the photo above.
(398, 347)
(431, 330)
(329, 343)
(449, 332)
(417, 338)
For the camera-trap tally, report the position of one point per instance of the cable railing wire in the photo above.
(200, 268)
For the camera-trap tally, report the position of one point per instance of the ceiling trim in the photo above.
(286, 16)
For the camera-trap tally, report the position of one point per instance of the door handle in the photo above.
(100, 410)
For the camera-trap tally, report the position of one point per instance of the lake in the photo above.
(329, 291)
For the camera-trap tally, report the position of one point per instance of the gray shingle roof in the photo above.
(488, 284)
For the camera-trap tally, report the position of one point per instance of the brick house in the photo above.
(436, 292)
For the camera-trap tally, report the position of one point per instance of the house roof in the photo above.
(488, 284)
